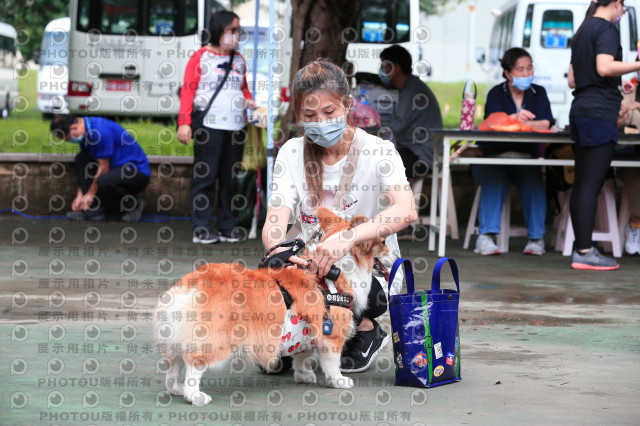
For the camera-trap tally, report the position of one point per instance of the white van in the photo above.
(129, 57)
(9, 58)
(53, 76)
(545, 29)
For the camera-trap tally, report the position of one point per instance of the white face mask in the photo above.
(229, 41)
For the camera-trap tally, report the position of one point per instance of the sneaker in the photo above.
(75, 215)
(535, 247)
(204, 236)
(405, 234)
(592, 260)
(485, 245)
(136, 214)
(95, 215)
(362, 349)
(233, 236)
(631, 240)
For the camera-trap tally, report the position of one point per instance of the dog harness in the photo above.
(296, 332)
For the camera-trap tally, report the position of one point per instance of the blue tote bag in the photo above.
(426, 340)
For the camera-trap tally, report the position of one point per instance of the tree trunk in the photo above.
(318, 31)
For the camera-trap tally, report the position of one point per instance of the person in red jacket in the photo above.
(219, 139)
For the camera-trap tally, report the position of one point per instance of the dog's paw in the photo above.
(177, 389)
(198, 398)
(340, 382)
(308, 377)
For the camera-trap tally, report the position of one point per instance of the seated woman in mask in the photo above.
(528, 103)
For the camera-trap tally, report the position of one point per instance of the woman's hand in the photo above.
(329, 252)
(293, 259)
(624, 110)
(523, 116)
(250, 103)
(184, 134)
(627, 87)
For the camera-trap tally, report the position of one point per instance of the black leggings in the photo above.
(592, 168)
(376, 303)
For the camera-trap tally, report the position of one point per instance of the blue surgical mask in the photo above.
(522, 83)
(384, 77)
(325, 133)
(79, 139)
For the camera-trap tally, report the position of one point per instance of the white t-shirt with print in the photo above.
(379, 169)
(227, 111)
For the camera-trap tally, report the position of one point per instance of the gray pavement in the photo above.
(541, 343)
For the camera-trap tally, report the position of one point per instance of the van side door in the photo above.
(552, 28)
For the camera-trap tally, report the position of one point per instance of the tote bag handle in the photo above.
(435, 280)
(408, 273)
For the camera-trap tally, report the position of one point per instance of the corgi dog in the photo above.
(221, 311)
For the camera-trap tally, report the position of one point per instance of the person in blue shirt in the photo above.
(528, 103)
(111, 167)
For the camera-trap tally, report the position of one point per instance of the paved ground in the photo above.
(541, 344)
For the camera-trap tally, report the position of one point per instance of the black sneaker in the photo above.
(95, 215)
(136, 214)
(234, 236)
(360, 352)
(203, 236)
(75, 215)
(405, 234)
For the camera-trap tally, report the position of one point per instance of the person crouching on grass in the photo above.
(111, 167)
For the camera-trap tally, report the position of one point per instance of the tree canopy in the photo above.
(435, 7)
(29, 17)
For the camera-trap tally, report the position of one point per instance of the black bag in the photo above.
(197, 116)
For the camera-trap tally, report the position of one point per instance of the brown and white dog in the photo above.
(221, 311)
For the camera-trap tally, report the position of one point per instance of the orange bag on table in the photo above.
(501, 122)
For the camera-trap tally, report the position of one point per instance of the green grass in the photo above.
(26, 131)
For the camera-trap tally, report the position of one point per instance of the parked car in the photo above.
(9, 59)
(53, 76)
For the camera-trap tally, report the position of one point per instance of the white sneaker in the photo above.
(631, 240)
(485, 245)
(535, 247)
(204, 236)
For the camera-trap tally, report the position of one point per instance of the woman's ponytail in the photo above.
(590, 12)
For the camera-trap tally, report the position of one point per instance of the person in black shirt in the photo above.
(528, 103)
(594, 73)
